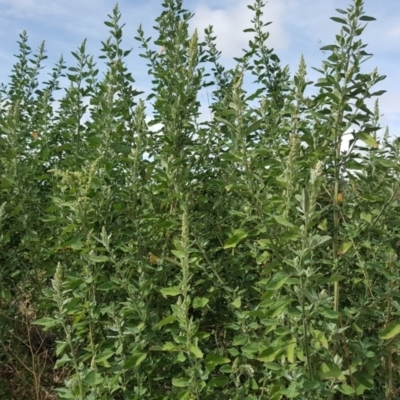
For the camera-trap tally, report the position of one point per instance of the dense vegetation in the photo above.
(274, 266)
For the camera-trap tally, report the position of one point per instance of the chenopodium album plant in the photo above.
(273, 251)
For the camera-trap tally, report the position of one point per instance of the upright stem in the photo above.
(389, 349)
(303, 312)
(335, 244)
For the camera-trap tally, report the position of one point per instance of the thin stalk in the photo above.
(60, 304)
(389, 361)
(304, 318)
(335, 242)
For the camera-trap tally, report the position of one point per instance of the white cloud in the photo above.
(229, 23)
(298, 26)
(31, 8)
(394, 32)
(82, 18)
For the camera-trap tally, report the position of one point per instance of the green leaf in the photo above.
(237, 302)
(228, 157)
(363, 382)
(47, 322)
(291, 392)
(107, 286)
(61, 347)
(275, 392)
(386, 163)
(330, 370)
(105, 355)
(196, 351)
(366, 18)
(323, 225)
(178, 245)
(328, 312)
(200, 302)
(317, 240)
(320, 337)
(367, 139)
(270, 354)
(339, 20)
(165, 321)
(240, 340)
(98, 259)
(290, 351)
(135, 360)
(237, 237)
(331, 47)
(122, 148)
(253, 127)
(282, 221)
(180, 382)
(276, 282)
(255, 94)
(75, 244)
(250, 348)
(65, 359)
(311, 385)
(226, 122)
(263, 257)
(366, 217)
(378, 93)
(344, 248)
(346, 389)
(279, 307)
(172, 261)
(391, 330)
(179, 254)
(218, 381)
(92, 378)
(212, 360)
(5, 294)
(171, 291)
(168, 346)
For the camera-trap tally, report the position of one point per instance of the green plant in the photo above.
(276, 250)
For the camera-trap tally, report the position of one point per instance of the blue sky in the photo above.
(299, 27)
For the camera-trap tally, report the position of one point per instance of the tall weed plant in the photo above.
(244, 257)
